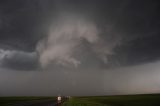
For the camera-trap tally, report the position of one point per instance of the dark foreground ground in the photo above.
(124, 100)
(27, 101)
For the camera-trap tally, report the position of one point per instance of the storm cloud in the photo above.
(79, 47)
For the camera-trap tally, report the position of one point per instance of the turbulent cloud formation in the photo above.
(63, 39)
(66, 36)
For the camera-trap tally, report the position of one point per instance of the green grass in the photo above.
(81, 102)
(125, 100)
(8, 101)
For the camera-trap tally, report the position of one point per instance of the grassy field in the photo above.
(125, 100)
(9, 101)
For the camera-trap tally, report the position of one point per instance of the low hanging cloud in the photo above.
(66, 36)
(18, 60)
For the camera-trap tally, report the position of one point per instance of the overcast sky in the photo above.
(79, 47)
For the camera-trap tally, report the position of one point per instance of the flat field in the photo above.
(123, 100)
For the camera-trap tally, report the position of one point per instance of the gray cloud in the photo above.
(18, 60)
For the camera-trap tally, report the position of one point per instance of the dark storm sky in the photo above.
(98, 42)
